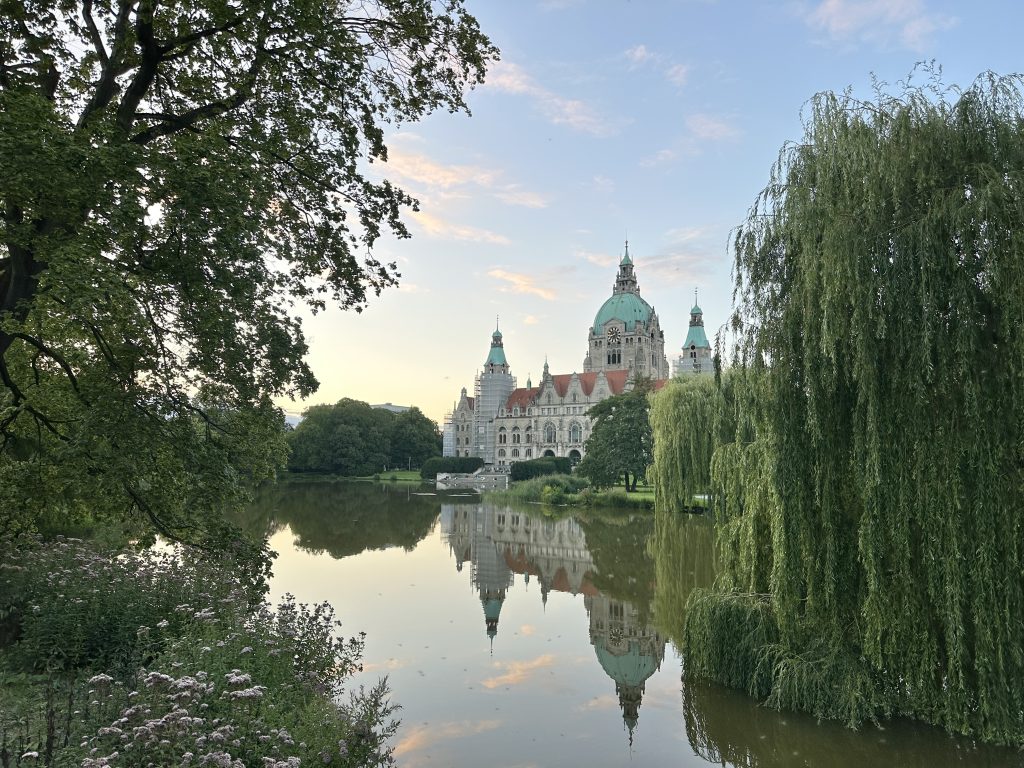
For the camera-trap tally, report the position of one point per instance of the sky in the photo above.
(656, 121)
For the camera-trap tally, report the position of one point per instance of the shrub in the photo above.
(547, 465)
(166, 659)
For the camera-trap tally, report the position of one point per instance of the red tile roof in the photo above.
(526, 396)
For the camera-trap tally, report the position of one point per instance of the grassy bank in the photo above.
(390, 476)
(115, 658)
(574, 491)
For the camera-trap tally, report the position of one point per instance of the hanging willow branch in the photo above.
(880, 276)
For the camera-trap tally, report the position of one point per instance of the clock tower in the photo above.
(626, 334)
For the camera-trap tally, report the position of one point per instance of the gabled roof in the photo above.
(522, 397)
(616, 381)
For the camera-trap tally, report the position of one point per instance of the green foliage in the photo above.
(343, 518)
(547, 465)
(176, 178)
(450, 465)
(560, 486)
(870, 498)
(352, 439)
(620, 443)
(683, 415)
(219, 675)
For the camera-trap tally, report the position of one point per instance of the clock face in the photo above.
(613, 334)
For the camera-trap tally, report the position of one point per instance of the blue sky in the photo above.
(658, 120)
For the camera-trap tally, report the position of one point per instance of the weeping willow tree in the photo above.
(872, 552)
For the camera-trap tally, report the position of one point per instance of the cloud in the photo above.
(520, 283)
(517, 672)
(529, 320)
(661, 157)
(879, 22)
(711, 128)
(603, 184)
(685, 257)
(460, 180)
(598, 259)
(678, 74)
(514, 195)
(638, 55)
(435, 226)
(421, 736)
(574, 113)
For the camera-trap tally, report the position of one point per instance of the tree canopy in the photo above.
(872, 534)
(351, 438)
(620, 443)
(176, 179)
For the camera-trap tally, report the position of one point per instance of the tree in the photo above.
(620, 443)
(872, 532)
(174, 179)
(414, 439)
(348, 438)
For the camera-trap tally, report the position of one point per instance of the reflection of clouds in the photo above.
(517, 672)
(527, 629)
(389, 665)
(601, 703)
(422, 736)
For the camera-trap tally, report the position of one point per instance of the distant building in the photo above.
(503, 423)
(391, 407)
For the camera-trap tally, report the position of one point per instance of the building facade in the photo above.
(504, 423)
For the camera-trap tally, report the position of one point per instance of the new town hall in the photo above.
(503, 423)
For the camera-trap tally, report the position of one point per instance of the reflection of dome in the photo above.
(626, 307)
(630, 671)
(630, 668)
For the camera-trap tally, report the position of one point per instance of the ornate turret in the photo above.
(496, 362)
(696, 357)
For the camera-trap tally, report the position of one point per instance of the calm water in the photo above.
(512, 638)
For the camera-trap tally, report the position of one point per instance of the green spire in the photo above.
(625, 257)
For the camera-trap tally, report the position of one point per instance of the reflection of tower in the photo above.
(469, 529)
(628, 651)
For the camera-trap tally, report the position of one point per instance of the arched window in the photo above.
(549, 433)
(516, 436)
(501, 453)
(575, 433)
(529, 434)
(515, 453)
(529, 453)
(502, 436)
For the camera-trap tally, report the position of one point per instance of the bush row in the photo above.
(432, 466)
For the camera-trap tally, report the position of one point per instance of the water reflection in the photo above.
(613, 575)
(506, 672)
(344, 518)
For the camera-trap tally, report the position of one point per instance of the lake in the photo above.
(518, 636)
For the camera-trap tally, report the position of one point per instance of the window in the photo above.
(515, 411)
(529, 435)
(549, 433)
(502, 436)
(515, 453)
(516, 436)
(529, 453)
(501, 453)
(575, 433)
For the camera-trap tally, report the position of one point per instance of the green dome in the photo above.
(627, 307)
(696, 310)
